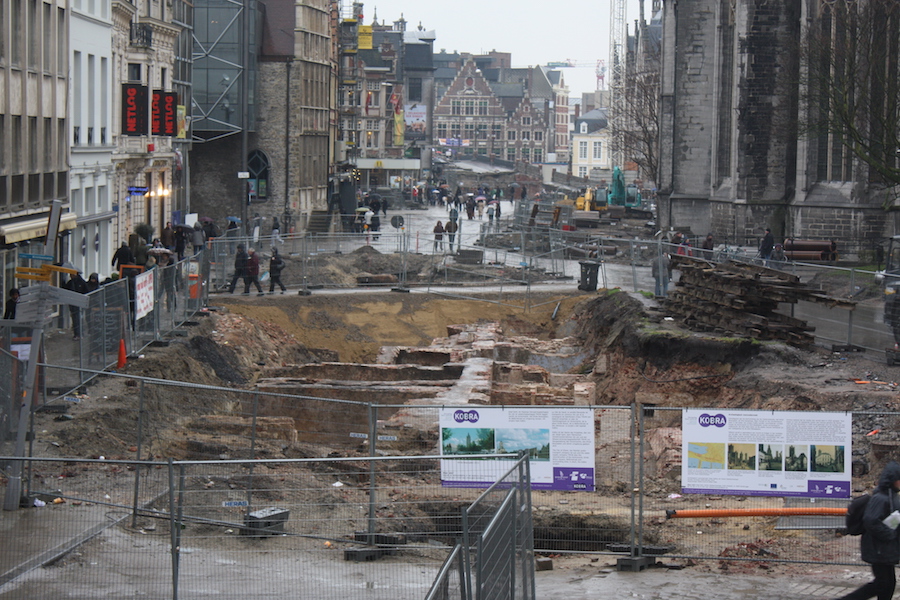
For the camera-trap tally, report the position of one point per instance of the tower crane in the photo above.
(598, 65)
(616, 115)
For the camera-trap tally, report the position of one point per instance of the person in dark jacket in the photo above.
(123, 256)
(892, 312)
(879, 543)
(240, 269)
(11, 303)
(76, 283)
(276, 266)
(181, 238)
(767, 245)
(252, 273)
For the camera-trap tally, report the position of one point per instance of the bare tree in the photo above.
(851, 87)
(640, 137)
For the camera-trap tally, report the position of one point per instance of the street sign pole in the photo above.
(14, 485)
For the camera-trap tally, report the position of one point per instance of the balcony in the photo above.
(141, 35)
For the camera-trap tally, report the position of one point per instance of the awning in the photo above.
(397, 164)
(34, 228)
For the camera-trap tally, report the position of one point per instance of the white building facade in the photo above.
(91, 104)
(590, 148)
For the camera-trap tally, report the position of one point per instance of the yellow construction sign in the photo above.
(42, 273)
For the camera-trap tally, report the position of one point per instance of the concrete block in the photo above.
(266, 521)
(601, 365)
(366, 554)
(543, 563)
(584, 393)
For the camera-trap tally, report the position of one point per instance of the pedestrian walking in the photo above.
(276, 266)
(367, 222)
(167, 279)
(76, 283)
(123, 256)
(93, 282)
(375, 225)
(438, 236)
(662, 273)
(198, 238)
(766, 246)
(252, 273)
(180, 241)
(451, 228)
(168, 236)
(892, 312)
(708, 245)
(240, 269)
(231, 232)
(11, 302)
(276, 231)
(880, 542)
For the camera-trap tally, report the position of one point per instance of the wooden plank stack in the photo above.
(742, 299)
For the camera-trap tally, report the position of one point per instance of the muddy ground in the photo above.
(647, 354)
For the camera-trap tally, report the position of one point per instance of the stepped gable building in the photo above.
(502, 112)
(526, 133)
(468, 113)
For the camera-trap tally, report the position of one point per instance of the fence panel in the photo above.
(312, 528)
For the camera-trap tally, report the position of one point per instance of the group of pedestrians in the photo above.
(450, 228)
(246, 267)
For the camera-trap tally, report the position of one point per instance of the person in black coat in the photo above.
(879, 543)
(240, 267)
(767, 245)
(76, 283)
(276, 266)
(123, 256)
(11, 303)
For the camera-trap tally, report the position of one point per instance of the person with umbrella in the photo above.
(232, 232)
(479, 206)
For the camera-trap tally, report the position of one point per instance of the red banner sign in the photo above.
(163, 113)
(134, 109)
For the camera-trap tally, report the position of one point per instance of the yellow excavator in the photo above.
(589, 205)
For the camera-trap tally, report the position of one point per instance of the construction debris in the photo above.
(738, 298)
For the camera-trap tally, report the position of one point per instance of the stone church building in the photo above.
(735, 154)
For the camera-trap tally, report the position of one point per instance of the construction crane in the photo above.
(598, 65)
(616, 116)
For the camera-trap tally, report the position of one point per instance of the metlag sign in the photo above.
(163, 113)
(134, 109)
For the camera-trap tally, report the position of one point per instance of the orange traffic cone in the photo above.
(121, 361)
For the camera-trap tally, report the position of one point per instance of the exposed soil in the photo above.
(647, 358)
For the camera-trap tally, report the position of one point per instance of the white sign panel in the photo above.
(560, 444)
(143, 294)
(766, 453)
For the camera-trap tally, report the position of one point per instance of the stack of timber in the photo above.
(742, 299)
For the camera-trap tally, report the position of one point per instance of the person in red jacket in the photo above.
(252, 273)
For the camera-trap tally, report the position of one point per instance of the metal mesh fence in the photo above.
(637, 466)
(320, 528)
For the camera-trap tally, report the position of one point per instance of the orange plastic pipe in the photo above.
(756, 512)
